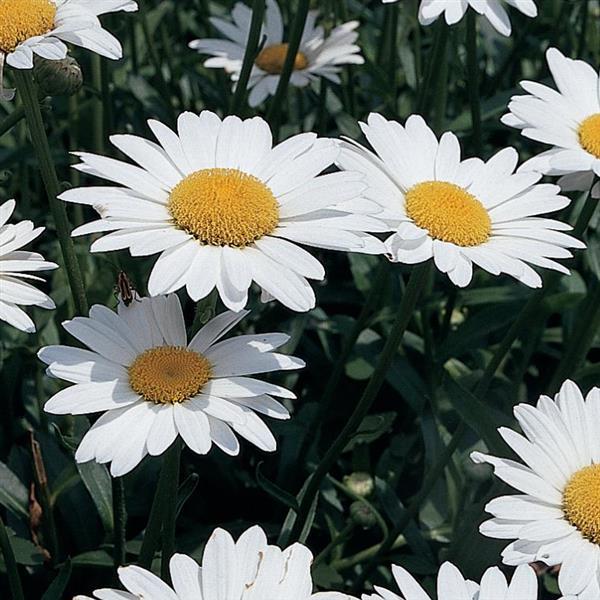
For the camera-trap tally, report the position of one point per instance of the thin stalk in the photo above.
(440, 87)
(274, 113)
(342, 358)
(581, 340)
(27, 91)
(11, 120)
(252, 44)
(98, 105)
(12, 571)
(340, 538)
(120, 516)
(438, 54)
(164, 494)
(173, 462)
(473, 82)
(416, 284)
(391, 53)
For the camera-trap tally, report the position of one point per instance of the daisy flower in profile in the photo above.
(153, 386)
(41, 27)
(556, 517)
(451, 585)
(17, 265)
(492, 10)
(567, 119)
(319, 54)
(223, 207)
(246, 569)
(460, 212)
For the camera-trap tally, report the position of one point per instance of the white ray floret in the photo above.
(153, 385)
(17, 266)
(246, 569)
(224, 208)
(568, 119)
(459, 212)
(451, 585)
(492, 10)
(42, 27)
(555, 518)
(319, 54)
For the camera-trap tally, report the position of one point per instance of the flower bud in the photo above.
(360, 483)
(362, 515)
(58, 77)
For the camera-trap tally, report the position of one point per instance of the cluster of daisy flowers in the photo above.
(225, 208)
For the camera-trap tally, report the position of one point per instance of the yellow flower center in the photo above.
(589, 134)
(224, 207)
(272, 58)
(24, 19)
(169, 374)
(581, 502)
(449, 213)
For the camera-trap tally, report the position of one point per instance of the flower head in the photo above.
(460, 212)
(568, 119)
(41, 27)
(153, 385)
(246, 569)
(16, 265)
(225, 208)
(319, 55)
(492, 10)
(556, 517)
(451, 585)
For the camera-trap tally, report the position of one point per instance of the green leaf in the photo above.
(58, 586)
(275, 491)
(95, 558)
(371, 429)
(13, 494)
(186, 489)
(97, 482)
(26, 553)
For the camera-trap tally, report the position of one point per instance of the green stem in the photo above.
(120, 516)
(172, 465)
(26, 88)
(340, 538)
(581, 340)
(163, 495)
(11, 120)
(437, 56)
(274, 113)
(252, 44)
(417, 282)
(473, 82)
(440, 87)
(14, 580)
(98, 105)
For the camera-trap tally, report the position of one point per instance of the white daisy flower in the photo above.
(492, 10)
(319, 55)
(249, 569)
(225, 208)
(152, 385)
(29, 27)
(16, 265)
(451, 585)
(460, 212)
(567, 119)
(556, 518)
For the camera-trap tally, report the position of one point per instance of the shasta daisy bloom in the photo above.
(17, 265)
(451, 585)
(41, 27)
(460, 212)
(319, 54)
(225, 208)
(246, 569)
(492, 10)
(567, 119)
(556, 517)
(153, 386)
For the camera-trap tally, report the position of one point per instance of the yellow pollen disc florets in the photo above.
(169, 374)
(272, 58)
(449, 213)
(589, 135)
(24, 19)
(224, 207)
(581, 502)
